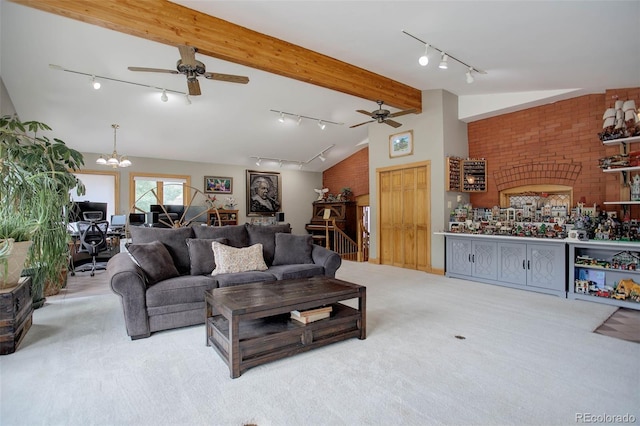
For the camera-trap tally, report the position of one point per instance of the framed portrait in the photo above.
(218, 185)
(264, 192)
(401, 144)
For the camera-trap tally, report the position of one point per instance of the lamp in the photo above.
(470, 78)
(424, 59)
(443, 63)
(96, 84)
(298, 117)
(114, 160)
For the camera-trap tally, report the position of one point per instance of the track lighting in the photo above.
(187, 99)
(298, 117)
(259, 161)
(424, 59)
(470, 78)
(164, 97)
(280, 163)
(443, 63)
(300, 166)
(321, 157)
(283, 162)
(96, 84)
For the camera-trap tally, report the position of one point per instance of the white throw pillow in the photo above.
(230, 259)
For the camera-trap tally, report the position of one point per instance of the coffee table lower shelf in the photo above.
(267, 339)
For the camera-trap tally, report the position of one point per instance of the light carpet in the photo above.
(526, 359)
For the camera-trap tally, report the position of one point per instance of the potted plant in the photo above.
(36, 176)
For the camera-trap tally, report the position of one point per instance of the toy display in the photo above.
(621, 121)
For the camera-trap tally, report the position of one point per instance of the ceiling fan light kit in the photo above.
(424, 60)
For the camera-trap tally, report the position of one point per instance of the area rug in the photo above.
(622, 324)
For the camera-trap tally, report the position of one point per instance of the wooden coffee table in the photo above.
(250, 324)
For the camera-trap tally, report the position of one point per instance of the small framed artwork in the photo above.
(218, 185)
(264, 192)
(401, 144)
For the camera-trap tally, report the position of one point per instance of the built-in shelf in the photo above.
(621, 169)
(621, 202)
(623, 140)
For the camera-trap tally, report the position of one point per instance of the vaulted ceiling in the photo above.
(312, 58)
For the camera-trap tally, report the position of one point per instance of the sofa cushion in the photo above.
(174, 239)
(178, 290)
(292, 249)
(228, 280)
(288, 272)
(265, 235)
(236, 234)
(231, 259)
(201, 254)
(154, 259)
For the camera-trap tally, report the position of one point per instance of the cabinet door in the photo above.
(546, 266)
(459, 256)
(512, 263)
(484, 260)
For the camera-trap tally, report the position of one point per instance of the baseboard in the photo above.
(374, 260)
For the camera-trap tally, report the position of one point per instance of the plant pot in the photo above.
(12, 262)
(37, 287)
(52, 288)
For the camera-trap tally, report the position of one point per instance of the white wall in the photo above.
(297, 185)
(436, 133)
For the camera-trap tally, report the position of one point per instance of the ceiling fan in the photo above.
(383, 116)
(192, 68)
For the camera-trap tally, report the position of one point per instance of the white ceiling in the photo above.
(538, 47)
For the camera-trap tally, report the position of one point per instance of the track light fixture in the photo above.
(96, 84)
(470, 78)
(424, 60)
(164, 97)
(281, 162)
(298, 118)
(187, 99)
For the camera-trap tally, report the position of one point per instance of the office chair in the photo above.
(93, 240)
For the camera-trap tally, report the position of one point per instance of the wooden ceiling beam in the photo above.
(173, 24)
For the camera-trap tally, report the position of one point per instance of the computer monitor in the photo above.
(118, 221)
(137, 219)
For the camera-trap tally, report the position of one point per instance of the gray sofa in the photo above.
(162, 277)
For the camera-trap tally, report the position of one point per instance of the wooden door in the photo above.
(404, 234)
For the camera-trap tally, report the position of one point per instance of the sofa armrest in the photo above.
(329, 259)
(128, 281)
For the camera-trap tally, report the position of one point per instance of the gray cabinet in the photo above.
(509, 261)
(472, 258)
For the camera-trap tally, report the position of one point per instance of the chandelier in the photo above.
(114, 161)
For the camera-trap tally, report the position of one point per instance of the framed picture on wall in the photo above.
(218, 185)
(264, 192)
(401, 144)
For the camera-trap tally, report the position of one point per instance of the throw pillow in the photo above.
(265, 235)
(154, 259)
(201, 254)
(174, 239)
(236, 234)
(231, 259)
(293, 249)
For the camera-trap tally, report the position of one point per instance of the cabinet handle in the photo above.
(528, 264)
(469, 257)
(473, 258)
(523, 264)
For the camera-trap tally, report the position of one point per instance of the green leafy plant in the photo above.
(36, 176)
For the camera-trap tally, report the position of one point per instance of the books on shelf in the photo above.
(311, 315)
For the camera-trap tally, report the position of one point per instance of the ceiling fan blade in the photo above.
(188, 55)
(361, 111)
(366, 122)
(230, 78)
(399, 113)
(152, 70)
(392, 123)
(194, 87)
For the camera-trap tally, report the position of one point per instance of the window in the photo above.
(148, 189)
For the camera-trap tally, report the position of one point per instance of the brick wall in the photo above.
(556, 144)
(352, 172)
